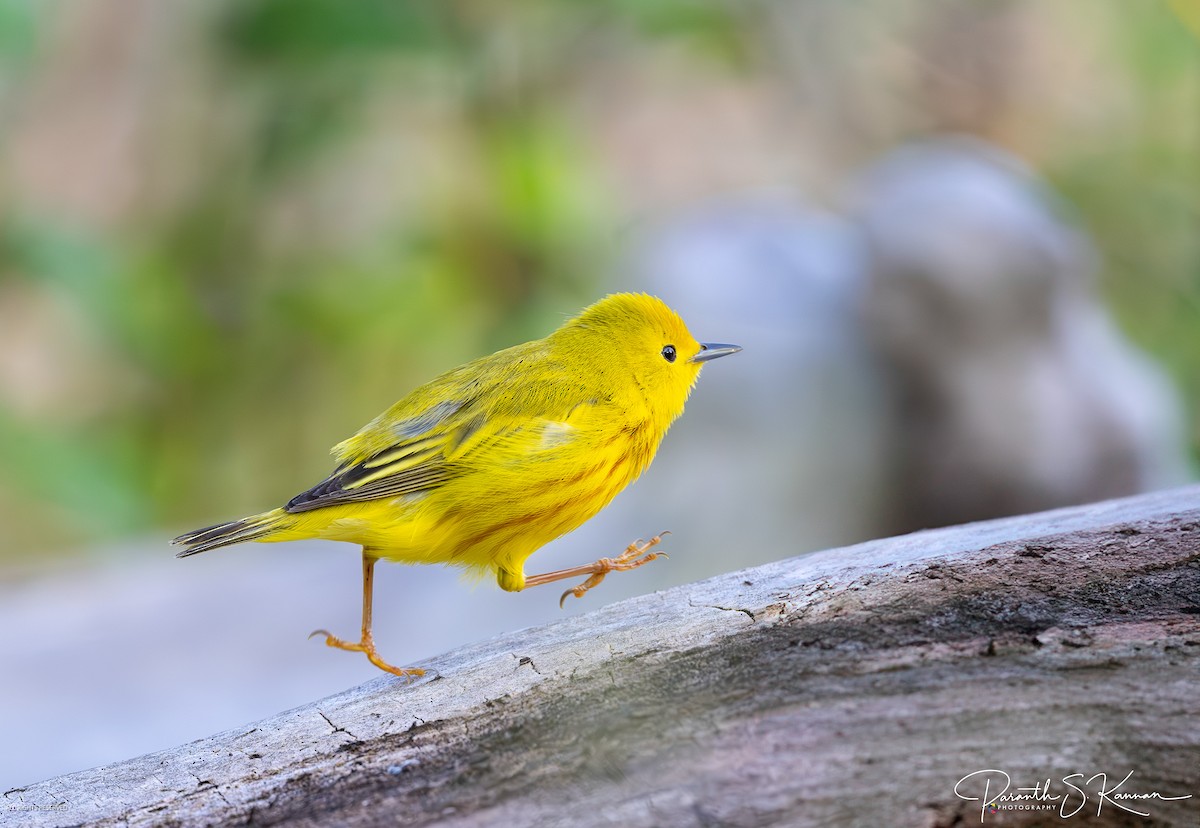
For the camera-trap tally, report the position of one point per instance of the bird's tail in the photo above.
(257, 527)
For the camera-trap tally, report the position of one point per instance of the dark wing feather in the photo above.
(413, 466)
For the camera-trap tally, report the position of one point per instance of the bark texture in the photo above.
(855, 686)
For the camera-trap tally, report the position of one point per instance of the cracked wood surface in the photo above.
(851, 687)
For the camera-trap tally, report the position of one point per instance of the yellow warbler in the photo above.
(484, 465)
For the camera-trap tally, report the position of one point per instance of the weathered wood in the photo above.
(854, 686)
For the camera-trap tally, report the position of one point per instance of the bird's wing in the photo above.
(408, 450)
(411, 467)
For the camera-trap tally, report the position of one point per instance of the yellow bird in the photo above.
(487, 463)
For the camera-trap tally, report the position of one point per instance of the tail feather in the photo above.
(226, 534)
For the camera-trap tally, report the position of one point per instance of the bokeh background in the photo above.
(959, 240)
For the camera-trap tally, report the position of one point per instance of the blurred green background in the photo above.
(231, 232)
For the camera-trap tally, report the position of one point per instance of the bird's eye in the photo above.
(668, 353)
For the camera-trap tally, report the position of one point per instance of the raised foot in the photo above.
(367, 648)
(635, 555)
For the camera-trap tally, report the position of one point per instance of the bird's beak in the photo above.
(712, 350)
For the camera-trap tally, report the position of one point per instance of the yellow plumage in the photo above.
(487, 463)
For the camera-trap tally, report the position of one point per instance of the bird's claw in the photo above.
(635, 555)
(367, 648)
(592, 581)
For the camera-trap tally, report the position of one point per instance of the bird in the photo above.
(488, 462)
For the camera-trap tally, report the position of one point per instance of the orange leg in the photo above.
(635, 555)
(367, 644)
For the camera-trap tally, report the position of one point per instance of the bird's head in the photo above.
(636, 339)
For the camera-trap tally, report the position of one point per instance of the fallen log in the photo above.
(857, 686)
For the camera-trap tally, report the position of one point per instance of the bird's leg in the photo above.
(635, 555)
(367, 645)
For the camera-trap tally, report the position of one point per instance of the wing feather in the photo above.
(416, 463)
(409, 449)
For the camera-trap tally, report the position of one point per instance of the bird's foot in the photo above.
(367, 648)
(635, 555)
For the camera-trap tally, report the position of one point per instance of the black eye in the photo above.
(668, 353)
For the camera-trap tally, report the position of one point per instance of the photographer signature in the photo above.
(995, 790)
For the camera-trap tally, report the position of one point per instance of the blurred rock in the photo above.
(1014, 390)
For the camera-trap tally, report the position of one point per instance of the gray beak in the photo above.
(712, 350)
